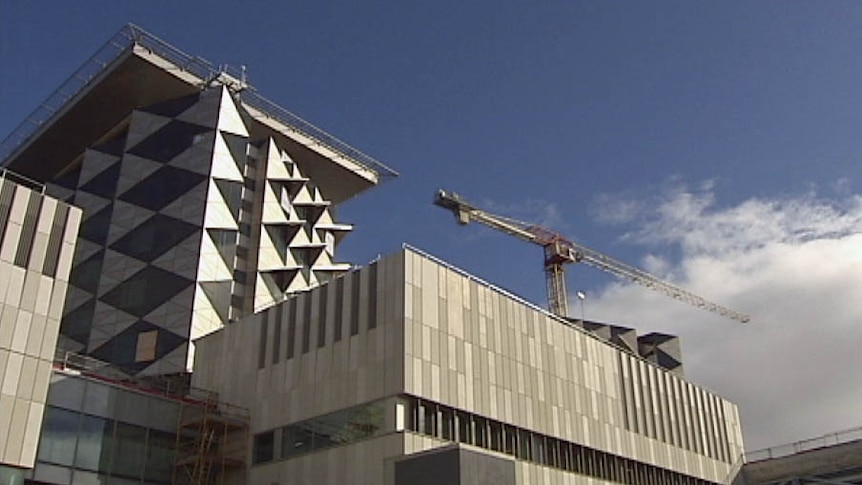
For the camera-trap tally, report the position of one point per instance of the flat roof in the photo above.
(135, 69)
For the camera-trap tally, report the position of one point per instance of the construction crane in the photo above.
(560, 251)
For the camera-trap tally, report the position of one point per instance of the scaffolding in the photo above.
(212, 440)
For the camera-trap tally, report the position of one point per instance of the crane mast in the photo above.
(560, 251)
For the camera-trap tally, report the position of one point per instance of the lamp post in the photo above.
(581, 297)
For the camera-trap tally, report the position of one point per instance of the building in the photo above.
(208, 240)
(410, 365)
(202, 200)
(834, 458)
(37, 242)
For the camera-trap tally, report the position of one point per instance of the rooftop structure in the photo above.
(203, 201)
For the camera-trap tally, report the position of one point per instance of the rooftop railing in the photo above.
(129, 37)
(831, 439)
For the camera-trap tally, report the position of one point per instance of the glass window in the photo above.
(94, 444)
(59, 433)
(130, 451)
(160, 457)
(332, 429)
(263, 447)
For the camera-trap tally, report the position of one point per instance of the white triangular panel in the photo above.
(229, 118)
(205, 318)
(323, 260)
(273, 212)
(300, 239)
(223, 165)
(218, 215)
(298, 283)
(275, 166)
(212, 266)
(264, 293)
(325, 218)
(303, 196)
(268, 257)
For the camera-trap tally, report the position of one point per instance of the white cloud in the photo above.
(794, 265)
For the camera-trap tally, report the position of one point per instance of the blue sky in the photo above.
(663, 133)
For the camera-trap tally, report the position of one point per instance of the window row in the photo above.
(333, 429)
(105, 446)
(458, 426)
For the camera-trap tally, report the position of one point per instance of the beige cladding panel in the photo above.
(32, 293)
(323, 350)
(524, 367)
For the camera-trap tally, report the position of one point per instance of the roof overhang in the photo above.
(148, 71)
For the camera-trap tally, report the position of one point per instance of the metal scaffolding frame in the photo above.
(212, 440)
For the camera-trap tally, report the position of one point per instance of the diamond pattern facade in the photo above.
(188, 224)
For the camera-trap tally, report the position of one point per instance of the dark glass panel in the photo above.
(154, 237)
(94, 444)
(95, 227)
(161, 451)
(130, 451)
(263, 447)
(168, 141)
(59, 435)
(116, 145)
(173, 107)
(86, 274)
(296, 440)
(105, 183)
(162, 187)
(121, 350)
(76, 324)
(146, 290)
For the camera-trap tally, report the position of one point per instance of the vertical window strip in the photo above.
(276, 335)
(323, 293)
(305, 300)
(261, 360)
(55, 241)
(372, 295)
(7, 191)
(291, 327)
(28, 230)
(354, 303)
(339, 309)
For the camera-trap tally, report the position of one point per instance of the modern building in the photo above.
(202, 200)
(37, 242)
(411, 371)
(207, 241)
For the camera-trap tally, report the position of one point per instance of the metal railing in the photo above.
(130, 36)
(831, 439)
(22, 180)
